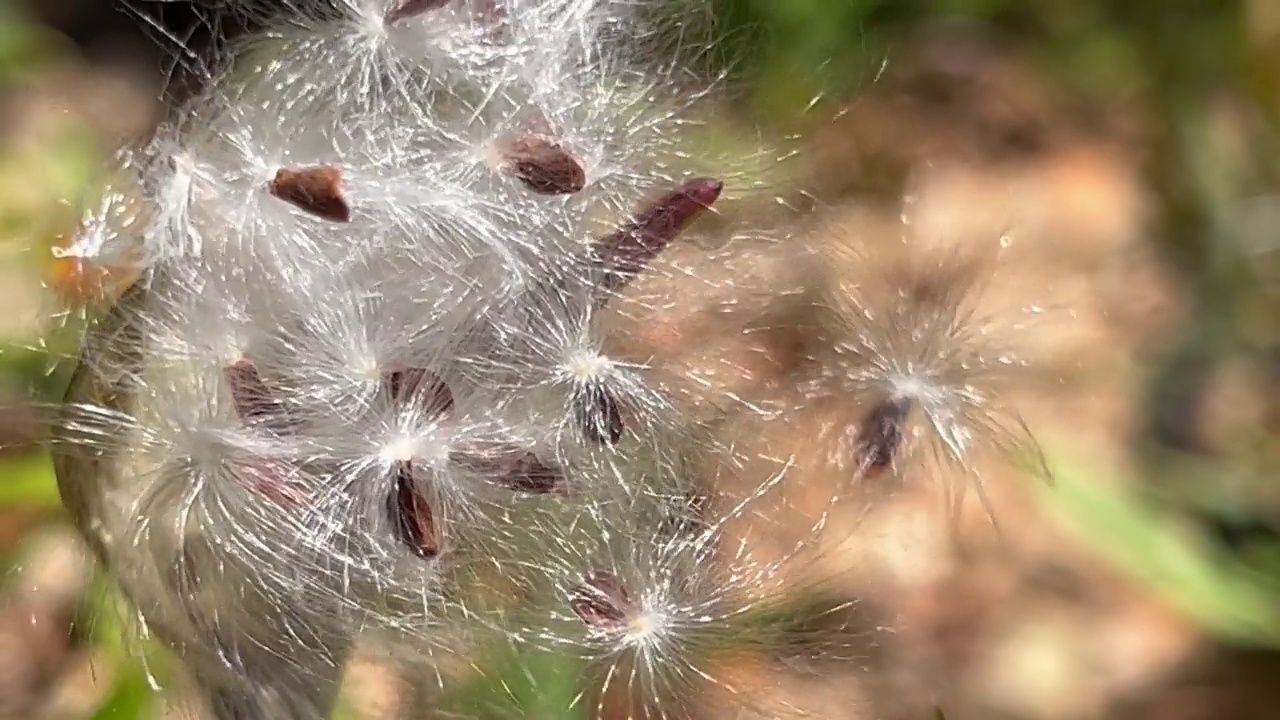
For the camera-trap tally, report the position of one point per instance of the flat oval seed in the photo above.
(411, 516)
(253, 399)
(317, 190)
(418, 384)
(543, 166)
(601, 601)
(278, 482)
(512, 467)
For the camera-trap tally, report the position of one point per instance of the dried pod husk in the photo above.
(82, 282)
(108, 480)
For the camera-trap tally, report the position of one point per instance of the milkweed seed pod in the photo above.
(395, 366)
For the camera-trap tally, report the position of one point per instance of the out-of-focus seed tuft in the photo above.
(317, 190)
(882, 434)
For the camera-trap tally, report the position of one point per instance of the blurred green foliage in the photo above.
(793, 52)
(27, 481)
(35, 181)
(132, 698)
(1219, 590)
(527, 684)
(25, 46)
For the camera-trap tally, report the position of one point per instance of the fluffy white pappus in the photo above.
(194, 478)
(549, 357)
(659, 618)
(259, 165)
(329, 353)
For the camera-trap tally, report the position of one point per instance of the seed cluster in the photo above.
(368, 380)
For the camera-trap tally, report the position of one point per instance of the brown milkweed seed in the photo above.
(882, 434)
(512, 467)
(625, 253)
(543, 166)
(602, 601)
(411, 516)
(422, 385)
(598, 413)
(251, 396)
(317, 190)
(409, 8)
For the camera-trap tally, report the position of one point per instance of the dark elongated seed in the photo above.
(422, 385)
(409, 8)
(598, 413)
(882, 433)
(602, 601)
(317, 190)
(625, 253)
(252, 398)
(543, 166)
(411, 515)
(512, 467)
